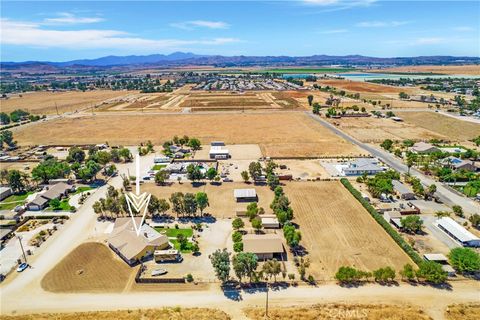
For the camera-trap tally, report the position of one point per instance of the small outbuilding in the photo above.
(5, 192)
(457, 232)
(402, 191)
(245, 195)
(270, 222)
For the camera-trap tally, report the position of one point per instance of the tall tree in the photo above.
(220, 260)
(202, 201)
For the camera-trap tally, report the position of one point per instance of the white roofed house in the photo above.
(361, 166)
(457, 232)
(218, 152)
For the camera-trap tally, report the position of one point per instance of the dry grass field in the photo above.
(157, 314)
(466, 69)
(340, 311)
(222, 202)
(44, 102)
(463, 312)
(338, 231)
(91, 267)
(278, 134)
(450, 127)
(374, 129)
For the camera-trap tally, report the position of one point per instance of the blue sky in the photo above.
(67, 30)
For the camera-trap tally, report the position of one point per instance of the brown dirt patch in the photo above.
(158, 314)
(44, 102)
(376, 130)
(463, 312)
(338, 231)
(278, 134)
(453, 128)
(91, 267)
(340, 311)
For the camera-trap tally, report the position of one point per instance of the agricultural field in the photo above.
(450, 127)
(278, 134)
(141, 102)
(362, 87)
(79, 272)
(376, 130)
(309, 70)
(47, 102)
(238, 101)
(455, 70)
(158, 314)
(340, 311)
(222, 202)
(337, 231)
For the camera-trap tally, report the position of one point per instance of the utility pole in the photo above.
(266, 303)
(21, 246)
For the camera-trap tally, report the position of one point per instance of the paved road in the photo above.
(448, 197)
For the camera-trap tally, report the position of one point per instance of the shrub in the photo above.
(431, 272)
(238, 246)
(189, 277)
(237, 236)
(464, 260)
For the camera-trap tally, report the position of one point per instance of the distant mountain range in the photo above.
(178, 59)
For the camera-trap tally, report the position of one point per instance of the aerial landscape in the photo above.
(310, 159)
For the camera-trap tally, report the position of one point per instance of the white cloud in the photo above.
(69, 18)
(333, 31)
(463, 29)
(189, 25)
(381, 24)
(33, 35)
(428, 41)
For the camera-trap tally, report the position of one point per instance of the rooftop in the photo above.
(457, 230)
(244, 193)
(262, 243)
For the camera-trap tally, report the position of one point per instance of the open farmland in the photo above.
(360, 86)
(374, 129)
(91, 267)
(455, 70)
(222, 202)
(337, 231)
(158, 314)
(278, 134)
(143, 102)
(47, 102)
(238, 101)
(452, 128)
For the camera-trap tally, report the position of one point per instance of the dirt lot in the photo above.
(359, 86)
(44, 102)
(466, 69)
(222, 202)
(158, 314)
(237, 152)
(278, 134)
(337, 230)
(340, 311)
(374, 129)
(452, 128)
(463, 312)
(80, 272)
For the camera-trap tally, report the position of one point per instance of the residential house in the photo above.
(264, 246)
(459, 164)
(423, 147)
(361, 166)
(131, 247)
(402, 191)
(56, 191)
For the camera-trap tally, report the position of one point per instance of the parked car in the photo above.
(158, 272)
(22, 267)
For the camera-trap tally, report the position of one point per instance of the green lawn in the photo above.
(16, 199)
(159, 166)
(176, 245)
(172, 232)
(64, 206)
(83, 189)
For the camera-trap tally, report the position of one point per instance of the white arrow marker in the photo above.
(137, 201)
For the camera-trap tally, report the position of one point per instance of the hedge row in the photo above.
(381, 221)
